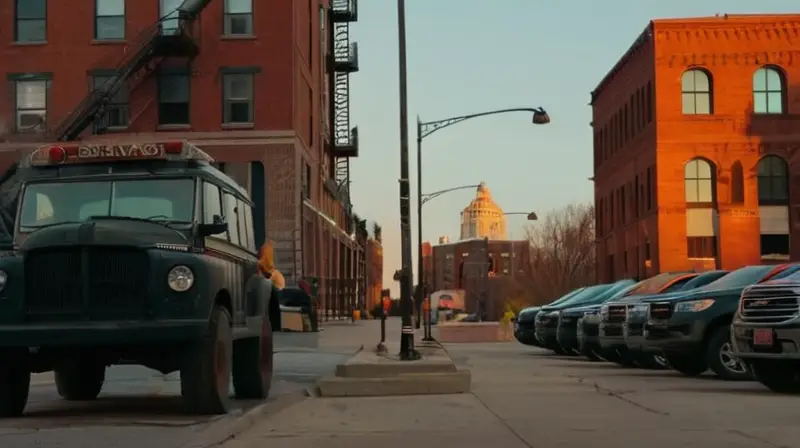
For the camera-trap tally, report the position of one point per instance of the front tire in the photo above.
(81, 380)
(206, 373)
(782, 378)
(253, 364)
(15, 383)
(689, 365)
(719, 357)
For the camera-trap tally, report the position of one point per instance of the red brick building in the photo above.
(261, 85)
(696, 139)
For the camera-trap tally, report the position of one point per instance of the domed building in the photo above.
(483, 218)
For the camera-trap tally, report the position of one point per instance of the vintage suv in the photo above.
(132, 253)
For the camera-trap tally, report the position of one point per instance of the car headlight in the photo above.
(180, 278)
(604, 310)
(693, 306)
(3, 280)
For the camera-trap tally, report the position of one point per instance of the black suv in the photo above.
(137, 253)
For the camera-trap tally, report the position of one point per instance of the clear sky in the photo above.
(467, 56)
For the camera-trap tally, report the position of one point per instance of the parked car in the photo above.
(766, 333)
(612, 319)
(567, 326)
(546, 321)
(525, 323)
(693, 329)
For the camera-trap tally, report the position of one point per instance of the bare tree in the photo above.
(562, 252)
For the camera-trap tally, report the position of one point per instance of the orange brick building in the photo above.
(696, 140)
(261, 85)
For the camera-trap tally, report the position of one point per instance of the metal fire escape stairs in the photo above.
(343, 61)
(143, 56)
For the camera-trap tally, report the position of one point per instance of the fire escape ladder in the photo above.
(138, 61)
(343, 62)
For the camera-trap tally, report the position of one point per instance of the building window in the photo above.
(31, 21)
(773, 181)
(238, 17)
(696, 92)
(737, 183)
(238, 94)
(173, 99)
(768, 90)
(117, 112)
(31, 105)
(702, 246)
(773, 207)
(699, 182)
(109, 19)
(170, 22)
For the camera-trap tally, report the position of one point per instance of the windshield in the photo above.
(653, 285)
(45, 204)
(586, 294)
(567, 296)
(739, 278)
(617, 290)
(701, 280)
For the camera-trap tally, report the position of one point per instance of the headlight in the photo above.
(3, 280)
(693, 306)
(180, 278)
(604, 310)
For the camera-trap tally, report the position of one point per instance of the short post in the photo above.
(383, 327)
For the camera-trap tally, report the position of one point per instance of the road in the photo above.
(139, 407)
(525, 397)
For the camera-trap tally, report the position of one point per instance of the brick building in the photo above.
(696, 130)
(478, 266)
(260, 85)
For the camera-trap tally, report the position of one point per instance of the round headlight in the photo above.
(180, 278)
(3, 280)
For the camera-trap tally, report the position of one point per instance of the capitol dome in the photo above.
(483, 218)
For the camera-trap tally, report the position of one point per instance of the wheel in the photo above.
(719, 357)
(782, 378)
(81, 380)
(252, 364)
(15, 383)
(590, 354)
(650, 361)
(206, 373)
(689, 365)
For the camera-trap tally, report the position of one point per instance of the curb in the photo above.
(224, 429)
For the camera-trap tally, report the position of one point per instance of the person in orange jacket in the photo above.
(266, 265)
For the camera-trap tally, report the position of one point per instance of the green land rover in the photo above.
(138, 253)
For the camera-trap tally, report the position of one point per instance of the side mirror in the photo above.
(217, 227)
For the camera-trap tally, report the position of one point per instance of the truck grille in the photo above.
(616, 313)
(660, 311)
(95, 282)
(769, 304)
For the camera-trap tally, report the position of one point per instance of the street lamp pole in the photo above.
(407, 351)
(425, 129)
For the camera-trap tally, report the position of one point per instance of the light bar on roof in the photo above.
(60, 154)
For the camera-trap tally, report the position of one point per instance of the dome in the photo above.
(483, 218)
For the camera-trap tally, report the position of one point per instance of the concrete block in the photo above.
(456, 382)
(454, 332)
(368, 364)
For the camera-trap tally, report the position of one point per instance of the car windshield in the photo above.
(653, 284)
(739, 278)
(617, 290)
(567, 296)
(701, 280)
(45, 204)
(586, 294)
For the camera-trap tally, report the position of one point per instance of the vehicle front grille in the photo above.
(769, 304)
(93, 282)
(660, 310)
(616, 313)
(526, 325)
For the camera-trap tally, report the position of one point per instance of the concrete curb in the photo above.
(225, 428)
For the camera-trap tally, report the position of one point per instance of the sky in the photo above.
(474, 56)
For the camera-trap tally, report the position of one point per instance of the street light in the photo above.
(424, 129)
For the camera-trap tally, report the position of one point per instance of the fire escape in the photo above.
(145, 54)
(344, 61)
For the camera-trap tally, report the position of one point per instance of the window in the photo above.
(117, 113)
(167, 199)
(238, 95)
(246, 217)
(230, 203)
(649, 102)
(307, 182)
(109, 19)
(212, 204)
(170, 22)
(777, 246)
(768, 90)
(173, 99)
(698, 182)
(696, 92)
(773, 185)
(31, 105)
(702, 246)
(238, 17)
(737, 183)
(31, 23)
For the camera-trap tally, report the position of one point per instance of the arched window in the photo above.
(737, 183)
(773, 207)
(696, 92)
(768, 91)
(773, 185)
(699, 182)
(701, 215)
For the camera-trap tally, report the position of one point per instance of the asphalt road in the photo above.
(139, 407)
